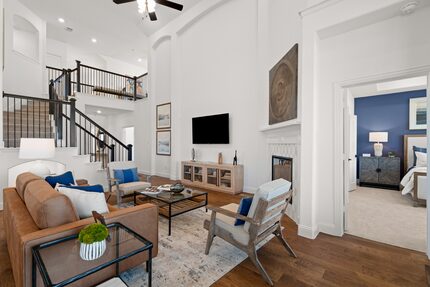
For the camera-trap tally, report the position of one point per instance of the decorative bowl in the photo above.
(177, 188)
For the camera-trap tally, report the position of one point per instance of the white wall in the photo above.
(392, 45)
(208, 66)
(23, 75)
(161, 68)
(65, 55)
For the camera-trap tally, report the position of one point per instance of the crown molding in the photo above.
(318, 7)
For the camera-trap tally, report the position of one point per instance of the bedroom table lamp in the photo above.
(378, 138)
(37, 149)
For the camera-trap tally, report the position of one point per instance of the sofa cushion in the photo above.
(22, 180)
(126, 175)
(65, 178)
(85, 202)
(98, 188)
(228, 223)
(47, 207)
(268, 191)
(129, 188)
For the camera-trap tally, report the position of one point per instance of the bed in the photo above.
(415, 180)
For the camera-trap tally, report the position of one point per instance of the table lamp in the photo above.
(378, 138)
(37, 149)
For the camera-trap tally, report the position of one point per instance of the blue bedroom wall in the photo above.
(385, 113)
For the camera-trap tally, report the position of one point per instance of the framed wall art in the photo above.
(418, 113)
(164, 139)
(164, 116)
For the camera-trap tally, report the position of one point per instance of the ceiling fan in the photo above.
(148, 6)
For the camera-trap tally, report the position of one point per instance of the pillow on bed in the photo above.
(418, 149)
(421, 159)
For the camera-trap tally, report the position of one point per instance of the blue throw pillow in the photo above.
(418, 149)
(126, 175)
(244, 206)
(90, 188)
(65, 179)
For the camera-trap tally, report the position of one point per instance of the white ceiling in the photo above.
(120, 31)
(103, 111)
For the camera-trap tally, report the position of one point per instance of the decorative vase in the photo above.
(92, 251)
(193, 155)
(220, 158)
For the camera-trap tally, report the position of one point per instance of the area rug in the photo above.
(181, 260)
(386, 216)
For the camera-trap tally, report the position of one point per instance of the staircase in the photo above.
(26, 119)
(29, 117)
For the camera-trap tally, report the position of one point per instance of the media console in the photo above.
(220, 177)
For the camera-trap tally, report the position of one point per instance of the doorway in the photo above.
(378, 191)
(128, 137)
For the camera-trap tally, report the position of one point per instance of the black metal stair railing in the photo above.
(96, 81)
(30, 117)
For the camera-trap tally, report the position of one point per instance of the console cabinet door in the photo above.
(368, 169)
(390, 170)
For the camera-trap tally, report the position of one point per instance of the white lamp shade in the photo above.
(32, 148)
(378, 137)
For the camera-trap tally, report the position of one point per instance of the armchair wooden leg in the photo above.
(118, 198)
(280, 236)
(253, 256)
(211, 233)
(209, 242)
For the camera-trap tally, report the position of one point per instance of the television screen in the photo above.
(211, 129)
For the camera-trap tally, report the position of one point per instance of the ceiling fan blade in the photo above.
(152, 16)
(170, 4)
(122, 1)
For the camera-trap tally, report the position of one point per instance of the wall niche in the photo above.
(25, 38)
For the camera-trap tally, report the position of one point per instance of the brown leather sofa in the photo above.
(35, 213)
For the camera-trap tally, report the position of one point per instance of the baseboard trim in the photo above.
(329, 229)
(161, 174)
(308, 232)
(250, 189)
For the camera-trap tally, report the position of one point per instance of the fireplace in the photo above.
(282, 167)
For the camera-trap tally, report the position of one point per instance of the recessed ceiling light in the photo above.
(94, 40)
(139, 60)
(99, 112)
(61, 20)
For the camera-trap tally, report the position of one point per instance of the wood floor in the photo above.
(325, 261)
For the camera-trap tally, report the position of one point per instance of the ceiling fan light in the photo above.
(141, 4)
(151, 5)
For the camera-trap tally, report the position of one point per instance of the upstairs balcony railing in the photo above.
(95, 81)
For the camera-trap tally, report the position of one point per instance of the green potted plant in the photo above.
(93, 241)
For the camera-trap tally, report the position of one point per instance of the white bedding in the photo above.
(408, 180)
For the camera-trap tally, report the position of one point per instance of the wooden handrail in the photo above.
(101, 128)
(105, 71)
(7, 95)
(87, 132)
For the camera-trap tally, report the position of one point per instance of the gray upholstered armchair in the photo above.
(124, 189)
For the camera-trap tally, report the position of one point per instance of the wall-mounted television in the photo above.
(211, 129)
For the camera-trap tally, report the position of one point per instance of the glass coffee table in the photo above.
(173, 204)
(123, 244)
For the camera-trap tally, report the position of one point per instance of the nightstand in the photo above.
(379, 171)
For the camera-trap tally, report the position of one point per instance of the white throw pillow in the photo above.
(421, 159)
(85, 202)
